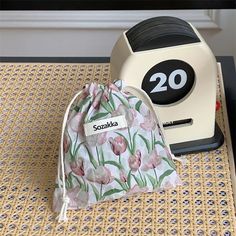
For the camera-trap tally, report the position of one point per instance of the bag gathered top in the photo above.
(112, 146)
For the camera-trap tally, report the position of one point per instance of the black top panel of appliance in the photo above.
(160, 32)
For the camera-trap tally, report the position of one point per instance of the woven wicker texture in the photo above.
(33, 101)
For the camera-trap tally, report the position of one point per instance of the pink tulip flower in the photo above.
(77, 166)
(105, 95)
(129, 113)
(93, 89)
(102, 138)
(149, 123)
(135, 161)
(78, 198)
(85, 92)
(97, 139)
(97, 100)
(76, 123)
(123, 176)
(151, 162)
(118, 145)
(101, 175)
(66, 143)
(113, 87)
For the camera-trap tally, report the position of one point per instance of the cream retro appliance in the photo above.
(171, 62)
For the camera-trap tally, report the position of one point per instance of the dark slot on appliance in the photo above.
(173, 124)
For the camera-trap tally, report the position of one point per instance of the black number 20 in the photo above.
(168, 81)
(171, 80)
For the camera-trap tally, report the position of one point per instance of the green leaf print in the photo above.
(147, 143)
(99, 115)
(145, 180)
(102, 157)
(152, 180)
(113, 163)
(71, 176)
(112, 191)
(112, 101)
(134, 143)
(170, 162)
(130, 141)
(106, 106)
(153, 141)
(165, 174)
(123, 186)
(95, 191)
(130, 97)
(129, 179)
(70, 148)
(138, 181)
(142, 179)
(83, 102)
(68, 185)
(81, 183)
(123, 101)
(77, 149)
(91, 158)
(159, 143)
(69, 181)
(73, 152)
(98, 157)
(87, 188)
(137, 105)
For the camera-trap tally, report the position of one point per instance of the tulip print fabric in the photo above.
(117, 163)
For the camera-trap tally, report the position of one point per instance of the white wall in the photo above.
(55, 42)
(77, 35)
(222, 41)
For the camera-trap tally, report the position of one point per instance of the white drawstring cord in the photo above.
(65, 199)
(62, 216)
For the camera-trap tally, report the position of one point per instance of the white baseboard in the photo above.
(202, 19)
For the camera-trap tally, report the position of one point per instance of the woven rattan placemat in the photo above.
(33, 101)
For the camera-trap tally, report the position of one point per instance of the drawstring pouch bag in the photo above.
(112, 146)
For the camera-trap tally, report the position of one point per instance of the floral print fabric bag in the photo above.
(112, 146)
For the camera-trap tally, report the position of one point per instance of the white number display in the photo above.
(183, 79)
(171, 80)
(159, 87)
